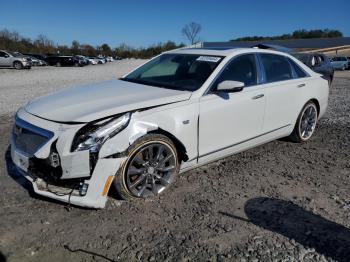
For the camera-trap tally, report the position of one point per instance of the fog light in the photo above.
(83, 189)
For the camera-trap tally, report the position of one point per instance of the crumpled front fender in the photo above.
(124, 139)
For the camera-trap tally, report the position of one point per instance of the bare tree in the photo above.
(44, 44)
(191, 31)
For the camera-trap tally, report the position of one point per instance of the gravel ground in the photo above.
(23, 85)
(278, 202)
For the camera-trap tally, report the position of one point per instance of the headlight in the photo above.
(92, 136)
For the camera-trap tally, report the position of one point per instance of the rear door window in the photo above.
(277, 68)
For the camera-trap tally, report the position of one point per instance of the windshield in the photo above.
(175, 71)
(339, 59)
(15, 54)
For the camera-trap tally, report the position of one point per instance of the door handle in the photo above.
(301, 85)
(258, 96)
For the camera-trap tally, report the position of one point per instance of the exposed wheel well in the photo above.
(317, 105)
(181, 149)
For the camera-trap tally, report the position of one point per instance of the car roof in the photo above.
(204, 51)
(222, 51)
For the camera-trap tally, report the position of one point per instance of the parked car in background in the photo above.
(37, 62)
(63, 61)
(37, 56)
(84, 59)
(100, 60)
(340, 62)
(109, 59)
(14, 60)
(180, 110)
(104, 59)
(348, 62)
(117, 58)
(319, 63)
(93, 60)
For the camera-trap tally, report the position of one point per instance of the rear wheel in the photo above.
(306, 123)
(18, 65)
(151, 167)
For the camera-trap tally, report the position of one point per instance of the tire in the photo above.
(17, 65)
(142, 177)
(58, 64)
(305, 124)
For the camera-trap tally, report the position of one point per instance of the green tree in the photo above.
(106, 50)
(297, 34)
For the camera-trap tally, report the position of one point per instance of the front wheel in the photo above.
(18, 65)
(151, 167)
(306, 123)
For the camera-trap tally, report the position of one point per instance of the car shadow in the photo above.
(2, 257)
(308, 229)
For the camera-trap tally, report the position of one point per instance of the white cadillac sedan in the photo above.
(180, 110)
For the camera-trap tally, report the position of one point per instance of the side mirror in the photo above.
(230, 86)
(6, 56)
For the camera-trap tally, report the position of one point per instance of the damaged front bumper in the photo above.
(40, 151)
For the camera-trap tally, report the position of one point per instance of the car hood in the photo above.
(94, 101)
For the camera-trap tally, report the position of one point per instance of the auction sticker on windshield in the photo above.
(213, 59)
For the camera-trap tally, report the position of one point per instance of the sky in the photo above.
(141, 23)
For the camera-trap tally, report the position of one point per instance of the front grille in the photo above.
(29, 138)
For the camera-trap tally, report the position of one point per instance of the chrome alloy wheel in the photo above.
(308, 121)
(150, 169)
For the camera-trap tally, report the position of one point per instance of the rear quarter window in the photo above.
(300, 73)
